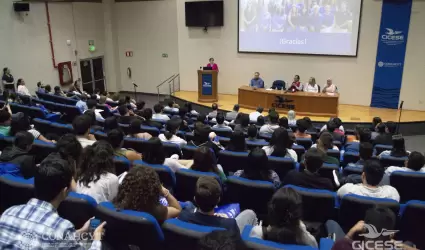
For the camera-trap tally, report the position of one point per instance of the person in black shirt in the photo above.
(207, 196)
(386, 131)
(222, 239)
(309, 178)
(147, 114)
(331, 126)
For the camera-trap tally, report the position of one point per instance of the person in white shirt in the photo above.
(190, 110)
(22, 89)
(292, 121)
(172, 127)
(213, 113)
(373, 172)
(254, 115)
(158, 113)
(81, 126)
(221, 123)
(415, 163)
(279, 145)
(329, 87)
(311, 86)
(273, 125)
(171, 108)
(96, 176)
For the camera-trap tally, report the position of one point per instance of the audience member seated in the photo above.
(11, 97)
(385, 138)
(365, 153)
(134, 131)
(204, 137)
(110, 123)
(158, 113)
(185, 120)
(302, 126)
(331, 128)
(237, 142)
(310, 127)
(91, 105)
(172, 127)
(231, 116)
(82, 103)
(207, 197)
(21, 123)
(220, 123)
(141, 190)
(75, 89)
(127, 115)
(252, 135)
(102, 101)
(172, 107)
(201, 120)
(284, 217)
(147, 115)
(292, 121)
(222, 239)
(139, 108)
(273, 123)
(283, 122)
(254, 115)
(338, 126)
(27, 100)
(68, 148)
(278, 145)
(40, 87)
(257, 168)
(260, 121)
(81, 126)
(362, 135)
(116, 139)
(19, 155)
(53, 180)
(375, 127)
(324, 143)
(190, 110)
(130, 102)
(309, 177)
(415, 163)
(398, 150)
(204, 161)
(372, 175)
(96, 176)
(21, 88)
(243, 123)
(58, 91)
(5, 120)
(213, 113)
(154, 154)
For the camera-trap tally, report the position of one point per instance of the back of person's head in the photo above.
(331, 126)
(57, 89)
(291, 115)
(140, 105)
(325, 141)
(284, 215)
(214, 106)
(236, 107)
(127, 99)
(302, 125)
(391, 127)
(102, 99)
(54, 179)
(365, 135)
(5, 116)
(140, 190)
(207, 194)
(283, 122)
(69, 148)
(366, 151)
(188, 106)
(220, 118)
(84, 98)
(123, 110)
(201, 133)
(172, 127)
(19, 82)
(313, 159)
(147, 113)
(416, 161)
(157, 108)
(201, 118)
(23, 140)
(116, 138)
(260, 109)
(183, 113)
(372, 172)
(376, 121)
(222, 240)
(399, 149)
(91, 103)
(122, 101)
(260, 120)
(91, 115)
(48, 88)
(308, 120)
(337, 121)
(170, 104)
(273, 117)
(280, 142)
(382, 218)
(257, 166)
(134, 127)
(381, 127)
(204, 161)
(26, 100)
(20, 122)
(81, 124)
(154, 153)
(111, 123)
(237, 142)
(244, 120)
(252, 131)
(97, 160)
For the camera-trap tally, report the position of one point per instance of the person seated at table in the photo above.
(362, 135)
(220, 123)
(398, 150)
(237, 142)
(386, 132)
(414, 163)
(311, 86)
(257, 82)
(296, 85)
(329, 88)
(230, 116)
(273, 125)
(279, 145)
(302, 126)
(172, 127)
(252, 135)
(158, 113)
(254, 115)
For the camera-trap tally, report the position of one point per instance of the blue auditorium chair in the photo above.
(171, 149)
(353, 208)
(265, 136)
(410, 185)
(124, 127)
(188, 151)
(128, 227)
(6, 141)
(251, 145)
(134, 143)
(350, 157)
(43, 126)
(352, 170)
(77, 208)
(412, 223)
(334, 153)
(106, 111)
(99, 135)
(151, 130)
(166, 175)
(300, 150)
(249, 194)
(325, 171)
(222, 132)
(350, 132)
(224, 141)
(305, 142)
(61, 129)
(41, 150)
(232, 161)
(388, 161)
(184, 235)
(10, 168)
(15, 191)
(281, 165)
(121, 165)
(313, 136)
(379, 148)
(186, 183)
(33, 112)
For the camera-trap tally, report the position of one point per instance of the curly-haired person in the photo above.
(141, 191)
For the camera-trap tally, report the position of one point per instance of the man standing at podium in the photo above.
(257, 82)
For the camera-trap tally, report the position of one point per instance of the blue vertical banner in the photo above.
(206, 84)
(392, 41)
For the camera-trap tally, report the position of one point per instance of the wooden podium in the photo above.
(207, 86)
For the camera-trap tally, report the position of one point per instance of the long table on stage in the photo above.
(305, 104)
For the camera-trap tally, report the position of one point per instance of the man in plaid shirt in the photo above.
(37, 225)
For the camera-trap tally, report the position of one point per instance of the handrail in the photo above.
(174, 77)
(165, 81)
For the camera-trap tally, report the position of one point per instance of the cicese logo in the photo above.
(392, 37)
(282, 103)
(207, 84)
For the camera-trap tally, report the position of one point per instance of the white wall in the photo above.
(148, 29)
(24, 46)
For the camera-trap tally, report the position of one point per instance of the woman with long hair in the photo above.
(134, 130)
(285, 224)
(21, 88)
(237, 142)
(141, 191)
(204, 161)
(96, 173)
(279, 145)
(398, 150)
(172, 127)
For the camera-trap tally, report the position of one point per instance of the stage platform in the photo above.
(347, 113)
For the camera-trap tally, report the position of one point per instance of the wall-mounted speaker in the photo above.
(21, 6)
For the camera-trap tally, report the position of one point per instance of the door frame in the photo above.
(92, 71)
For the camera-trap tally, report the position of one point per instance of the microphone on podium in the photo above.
(135, 85)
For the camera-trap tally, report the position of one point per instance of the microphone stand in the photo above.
(135, 92)
(399, 116)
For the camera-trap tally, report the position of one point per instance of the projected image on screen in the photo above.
(326, 27)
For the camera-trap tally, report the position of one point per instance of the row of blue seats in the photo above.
(64, 100)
